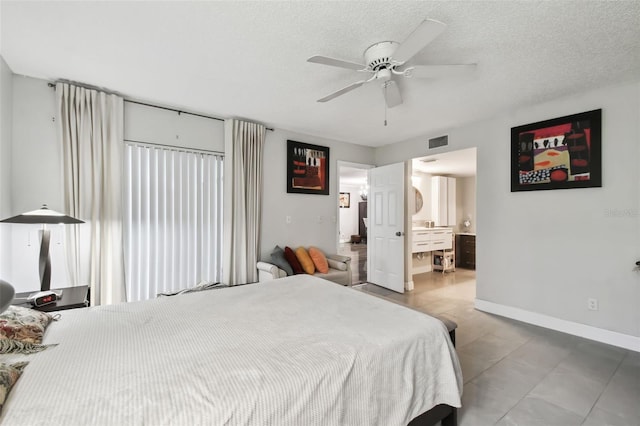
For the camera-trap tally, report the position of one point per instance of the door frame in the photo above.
(476, 212)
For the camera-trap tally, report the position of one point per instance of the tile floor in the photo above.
(519, 374)
(358, 254)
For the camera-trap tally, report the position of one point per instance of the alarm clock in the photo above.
(43, 298)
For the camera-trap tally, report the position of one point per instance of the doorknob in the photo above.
(399, 234)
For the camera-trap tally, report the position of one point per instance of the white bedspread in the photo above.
(293, 351)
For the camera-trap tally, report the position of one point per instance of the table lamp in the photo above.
(45, 217)
(6, 295)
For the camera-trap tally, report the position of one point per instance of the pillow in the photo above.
(341, 266)
(9, 375)
(293, 261)
(8, 346)
(319, 260)
(23, 324)
(305, 260)
(278, 259)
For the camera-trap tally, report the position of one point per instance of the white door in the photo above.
(385, 239)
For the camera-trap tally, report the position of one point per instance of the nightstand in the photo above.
(72, 298)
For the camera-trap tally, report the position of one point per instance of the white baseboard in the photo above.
(588, 332)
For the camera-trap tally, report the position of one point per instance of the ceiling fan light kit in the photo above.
(379, 56)
(385, 61)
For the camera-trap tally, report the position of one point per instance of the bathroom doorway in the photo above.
(445, 188)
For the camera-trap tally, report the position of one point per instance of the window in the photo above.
(172, 219)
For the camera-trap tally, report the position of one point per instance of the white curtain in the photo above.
(90, 128)
(244, 143)
(172, 219)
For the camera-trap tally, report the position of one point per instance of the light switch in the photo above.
(287, 219)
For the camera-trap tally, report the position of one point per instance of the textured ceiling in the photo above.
(248, 59)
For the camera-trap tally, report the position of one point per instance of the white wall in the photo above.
(158, 126)
(36, 179)
(547, 252)
(36, 173)
(6, 126)
(313, 217)
(465, 202)
(349, 216)
(36, 176)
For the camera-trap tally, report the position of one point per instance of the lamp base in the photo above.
(45, 260)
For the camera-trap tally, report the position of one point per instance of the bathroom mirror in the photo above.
(418, 200)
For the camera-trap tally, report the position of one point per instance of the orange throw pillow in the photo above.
(305, 260)
(319, 260)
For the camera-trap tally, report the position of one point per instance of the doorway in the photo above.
(445, 185)
(352, 224)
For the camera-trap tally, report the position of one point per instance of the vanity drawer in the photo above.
(442, 239)
(420, 236)
(420, 246)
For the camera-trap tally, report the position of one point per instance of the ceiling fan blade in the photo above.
(426, 32)
(342, 91)
(391, 93)
(324, 60)
(433, 71)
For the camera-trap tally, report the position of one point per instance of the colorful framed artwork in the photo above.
(560, 153)
(345, 200)
(307, 168)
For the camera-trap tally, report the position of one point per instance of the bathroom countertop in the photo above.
(424, 228)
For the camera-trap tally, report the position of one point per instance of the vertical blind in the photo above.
(172, 219)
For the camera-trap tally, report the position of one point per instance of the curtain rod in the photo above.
(156, 106)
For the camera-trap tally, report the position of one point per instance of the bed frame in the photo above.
(445, 413)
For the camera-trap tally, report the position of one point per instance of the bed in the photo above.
(295, 351)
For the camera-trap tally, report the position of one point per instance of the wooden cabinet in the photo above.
(362, 214)
(466, 251)
(443, 200)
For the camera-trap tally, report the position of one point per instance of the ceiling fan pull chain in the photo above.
(385, 104)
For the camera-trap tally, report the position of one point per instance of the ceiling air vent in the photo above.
(438, 142)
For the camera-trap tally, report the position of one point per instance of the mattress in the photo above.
(294, 351)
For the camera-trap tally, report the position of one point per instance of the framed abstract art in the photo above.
(307, 168)
(560, 153)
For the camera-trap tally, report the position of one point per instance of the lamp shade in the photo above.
(6, 295)
(42, 215)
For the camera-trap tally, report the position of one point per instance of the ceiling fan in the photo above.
(386, 59)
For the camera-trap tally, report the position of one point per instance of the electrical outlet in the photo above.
(592, 304)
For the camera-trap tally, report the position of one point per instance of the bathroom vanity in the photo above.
(433, 249)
